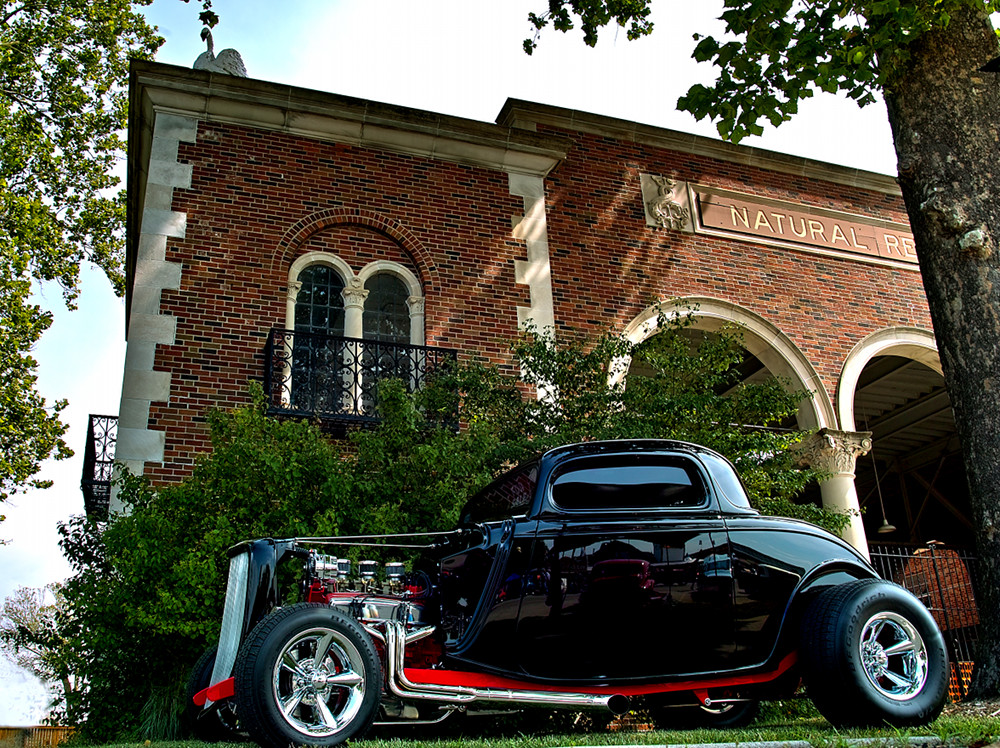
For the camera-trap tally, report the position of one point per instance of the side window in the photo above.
(630, 482)
(508, 496)
(386, 317)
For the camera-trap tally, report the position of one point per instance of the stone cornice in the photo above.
(342, 119)
(526, 114)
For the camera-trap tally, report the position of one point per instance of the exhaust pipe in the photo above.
(396, 640)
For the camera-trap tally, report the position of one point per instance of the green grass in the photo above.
(781, 721)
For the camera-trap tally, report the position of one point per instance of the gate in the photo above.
(944, 579)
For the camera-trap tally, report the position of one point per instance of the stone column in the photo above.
(288, 342)
(415, 304)
(293, 293)
(354, 294)
(835, 452)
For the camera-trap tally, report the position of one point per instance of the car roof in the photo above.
(623, 446)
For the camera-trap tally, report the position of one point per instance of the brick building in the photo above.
(256, 209)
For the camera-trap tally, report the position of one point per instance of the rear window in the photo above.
(651, 482)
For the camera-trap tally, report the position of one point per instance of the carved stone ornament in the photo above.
(835, 452)
(415, 304)
(354, 293)
(293, 290)
(666, 202)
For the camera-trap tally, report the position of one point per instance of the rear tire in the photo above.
(307, 675)
(871, 655)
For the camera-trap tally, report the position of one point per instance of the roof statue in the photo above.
(228, 61)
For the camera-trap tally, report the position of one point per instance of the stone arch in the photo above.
(301, 230)
(761, 338)
(319, 258)
(909, 342)
(411, 281)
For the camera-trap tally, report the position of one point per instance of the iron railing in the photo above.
(98, 463)
(336, 378)
(945, 580)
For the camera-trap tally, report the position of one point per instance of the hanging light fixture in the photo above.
(887, 526)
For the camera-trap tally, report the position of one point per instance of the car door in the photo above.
(633, 573)
(480, 583)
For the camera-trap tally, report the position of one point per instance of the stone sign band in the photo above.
(750, 218)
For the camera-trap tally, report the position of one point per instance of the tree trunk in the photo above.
(944, 116)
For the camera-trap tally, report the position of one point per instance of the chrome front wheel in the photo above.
(308, 675)
(318, 682)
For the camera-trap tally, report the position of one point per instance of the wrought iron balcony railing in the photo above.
(336, 378)
(98, 462)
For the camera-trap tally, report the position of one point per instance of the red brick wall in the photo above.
(248, 218)
(607, 265)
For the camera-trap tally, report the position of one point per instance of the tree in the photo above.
(925, 57)
(63, 68)
(29, 631)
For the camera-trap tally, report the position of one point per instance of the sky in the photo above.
(456, 57)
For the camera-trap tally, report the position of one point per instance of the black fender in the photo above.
(815, 581)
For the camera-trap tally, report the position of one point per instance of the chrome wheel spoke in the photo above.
(873, 633)
(289, 705)
(898, 680)
(290, 663)
(325, 715)
(901, 648)
(323, 648)
(346, 679)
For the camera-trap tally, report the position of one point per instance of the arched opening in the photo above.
(913, 479)
(767, 353)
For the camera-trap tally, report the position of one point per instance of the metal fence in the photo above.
(944, 579)
(337, 378)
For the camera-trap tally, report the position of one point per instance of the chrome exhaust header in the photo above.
(396, 639)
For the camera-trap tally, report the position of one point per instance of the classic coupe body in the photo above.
(604, 575)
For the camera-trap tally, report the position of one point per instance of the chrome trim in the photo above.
(447, 711)
(232, 619)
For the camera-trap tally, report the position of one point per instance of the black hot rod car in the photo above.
(601, 575)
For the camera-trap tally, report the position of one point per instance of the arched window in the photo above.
(316, 385)
(347, 331)
(386, 315)
(319, 304)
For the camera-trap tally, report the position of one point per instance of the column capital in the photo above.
(834, 451)
(354, 294)
(293, 290)
(415, 305)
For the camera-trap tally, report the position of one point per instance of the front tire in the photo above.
(307, 675)
(871, 655)
(219, 723)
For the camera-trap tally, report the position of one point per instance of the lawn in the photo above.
(781, 721)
